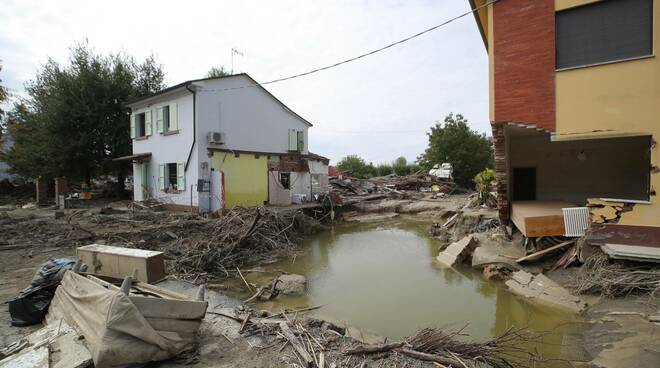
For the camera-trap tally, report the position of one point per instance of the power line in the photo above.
(361, 55)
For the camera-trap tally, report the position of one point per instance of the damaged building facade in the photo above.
(216, 143)
(574, 109)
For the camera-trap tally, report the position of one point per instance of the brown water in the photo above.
(383, 279)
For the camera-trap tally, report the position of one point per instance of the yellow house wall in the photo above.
(245, 178)
(616, 99)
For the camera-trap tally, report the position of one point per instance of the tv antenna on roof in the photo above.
(234, 51)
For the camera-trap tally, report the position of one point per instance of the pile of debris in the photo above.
(200, 248)
(318, 343)
(391, 184)
(614, 278)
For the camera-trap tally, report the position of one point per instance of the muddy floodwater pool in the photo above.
(382, 279)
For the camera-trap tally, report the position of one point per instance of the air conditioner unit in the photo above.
(216, 138)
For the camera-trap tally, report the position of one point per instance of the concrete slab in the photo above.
(497, 254)
(632, 252)
(458, 251)
(540, 288)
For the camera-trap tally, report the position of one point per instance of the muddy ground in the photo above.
(618, 333)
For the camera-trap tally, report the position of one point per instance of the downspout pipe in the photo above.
(192, 146)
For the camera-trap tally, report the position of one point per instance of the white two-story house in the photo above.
(216, 143)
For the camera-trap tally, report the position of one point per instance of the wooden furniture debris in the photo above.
(539, 218)
(147, 265)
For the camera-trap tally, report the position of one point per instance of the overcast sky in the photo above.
(378, 107)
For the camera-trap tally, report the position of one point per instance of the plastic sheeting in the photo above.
(115, 331)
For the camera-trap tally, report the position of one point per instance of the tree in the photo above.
(3, 95)
(468, 151)
(75, 118)
(400, 166)
(215, 72)
(356, 166)
(383, 170)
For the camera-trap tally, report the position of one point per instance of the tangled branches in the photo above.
(600, 275)
(209, 247)
(445, 347)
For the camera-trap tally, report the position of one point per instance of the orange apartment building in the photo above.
(575, 114)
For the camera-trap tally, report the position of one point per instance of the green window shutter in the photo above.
(132, 126)
(174, 122)
(180, 176)
(161, 177)
(147, 123)
(145, 175)
(293, 140)
(301, 140)
(159, 120)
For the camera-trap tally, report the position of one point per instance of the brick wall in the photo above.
(499, 141)
(524, 62)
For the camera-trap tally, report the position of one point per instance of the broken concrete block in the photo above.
(291, 284)
(540, 288)
(457, 252)
(489, 253)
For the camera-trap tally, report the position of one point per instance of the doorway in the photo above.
(524, 184)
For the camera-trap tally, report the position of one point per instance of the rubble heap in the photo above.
(390, 184)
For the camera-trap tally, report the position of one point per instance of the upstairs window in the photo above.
(604, 31)
(296, 140)
(166, 118)
(141, 124)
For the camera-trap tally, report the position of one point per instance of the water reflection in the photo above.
(382, 279)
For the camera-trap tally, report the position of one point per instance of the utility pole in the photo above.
(234, 51)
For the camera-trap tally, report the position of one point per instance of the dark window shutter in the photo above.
(604, 31)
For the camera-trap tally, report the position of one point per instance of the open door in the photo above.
(524, 184)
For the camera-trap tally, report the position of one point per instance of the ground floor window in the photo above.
(172, 177)
(285, 180)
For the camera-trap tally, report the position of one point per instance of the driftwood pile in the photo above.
(317, 343)
(614, 278)
(211, 247)
(448, 349)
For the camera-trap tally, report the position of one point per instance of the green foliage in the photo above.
(484, 181)
(469, 152)
(215, 72)
(401, 167)
(383, 170)
(360, 169)
(76, 119)
(356, 166)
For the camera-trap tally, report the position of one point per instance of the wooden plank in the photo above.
(544, 226)
(546, 250)
(295, 342)
(169, 308)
